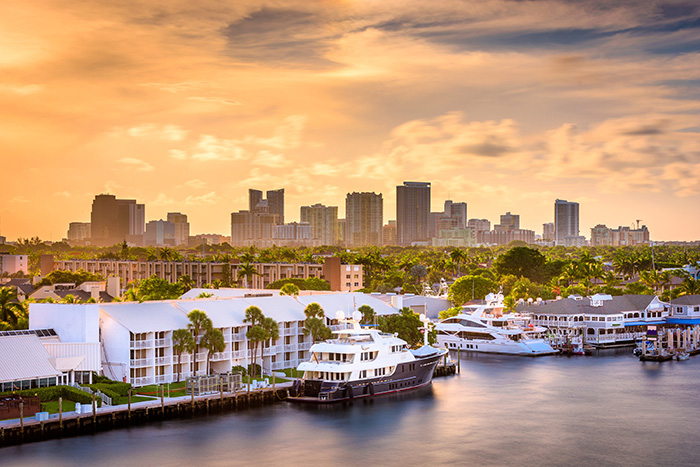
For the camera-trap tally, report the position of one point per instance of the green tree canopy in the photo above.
(182, 342)
(68, 277)
(312, 283)
(199, 321)
(317, 329)
(522, 262)
(155, 288)
(467, 287)
(368, 314)
(213, 341)
(289, 289)
(406, 323)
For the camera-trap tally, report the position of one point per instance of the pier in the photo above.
(106, 418)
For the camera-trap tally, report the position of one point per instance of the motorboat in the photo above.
(484, 328)
(363, 362)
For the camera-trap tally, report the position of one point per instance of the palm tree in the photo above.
(458, 257)
(689, 286)
(256, 333)
(314, 324)
(272, 333)
(199, 321)
(247, 271)
(187, 282)
(368, 314)
(213, 341)
(590, 270)
(289, 289)
(10, 309)
(182, 342)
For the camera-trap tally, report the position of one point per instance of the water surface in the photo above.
(609, 409)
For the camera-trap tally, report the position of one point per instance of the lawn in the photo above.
(52, 406)
(171, 390)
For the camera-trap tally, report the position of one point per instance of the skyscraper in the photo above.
(324, 223)
(182, 227)
(114, 220)
(364, 216)
(457, 211)
(508, 222)
(273, 204)
(413, 212)
(565, 220)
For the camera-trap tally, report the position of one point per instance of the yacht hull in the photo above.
(528, 348)
(406, 377)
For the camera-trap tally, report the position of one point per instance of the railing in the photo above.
(290, 347)
(238, 354)
(140, 362)
(106, 400)
(290, 332)
(272, 350)
(304, 346)
(163, 360)
(220, 356)
(141, 344)
(143, 381)
(202, 356)
(163, 342)
(240, 336)
(163, 378)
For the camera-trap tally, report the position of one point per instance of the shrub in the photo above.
(54, 392)
(239, 369)
(121, 389)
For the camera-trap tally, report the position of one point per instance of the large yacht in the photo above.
(484, 328)
(362, 362)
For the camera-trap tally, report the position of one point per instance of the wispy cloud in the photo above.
(137, 164)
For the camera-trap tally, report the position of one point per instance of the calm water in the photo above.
(609, 409)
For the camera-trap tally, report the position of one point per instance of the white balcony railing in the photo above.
(290, 347)
(290, 332)
(147, 344)
(140, 362)
(144, 381)
(238, 354)
(163, 379)
(220, 356)
(304, 346)
(163, 342)
(274, 349)
(202, 357)
(238, 336)
(163, 360)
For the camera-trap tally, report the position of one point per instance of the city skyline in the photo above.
(504, 105)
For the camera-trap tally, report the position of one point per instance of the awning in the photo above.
(685, 321)
(644, 323)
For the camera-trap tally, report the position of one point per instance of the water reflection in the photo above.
(608, 409)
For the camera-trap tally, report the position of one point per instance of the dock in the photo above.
(13, 432)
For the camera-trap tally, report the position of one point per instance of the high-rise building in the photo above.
(364, 216)
(159, 233)
(273, 204)
(601, 235)
(457, 211)
(413, 212)
(565, 220)
(252, 228)
(548, 232)
(324, 223)
(115, 220)
(389, 233)
(78, 231)
(182, 227)
(479, 225)
(508, 222)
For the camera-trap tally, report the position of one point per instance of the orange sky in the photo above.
(506, 105)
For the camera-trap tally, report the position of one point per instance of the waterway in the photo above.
(609, 409)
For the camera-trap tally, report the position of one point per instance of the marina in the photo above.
(608, 409)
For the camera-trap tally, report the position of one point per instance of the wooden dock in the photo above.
(108, 418)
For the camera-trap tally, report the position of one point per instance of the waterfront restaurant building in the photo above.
(603, 319)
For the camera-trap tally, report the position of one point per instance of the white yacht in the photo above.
(484, 328)
(361, 362)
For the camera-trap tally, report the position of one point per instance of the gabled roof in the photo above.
(686, 300)
(618, 304)
(147, 316)
(24, 357)
(347, 302)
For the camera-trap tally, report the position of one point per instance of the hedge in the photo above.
(54, 392)
(107, 391)
(121, 389)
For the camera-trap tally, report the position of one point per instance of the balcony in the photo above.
(239, 337)
(140, 362)
(304, 346)
(220, 356)
(147, 344)
(290, 347)
(163, 379)
(163, 360)
(163, 342)
(144, 381)
(272, 350)
(290, 331)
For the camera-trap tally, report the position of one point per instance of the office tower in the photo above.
(457, 211)
(565, 220)
(389, 233)
(115, 220)
(364, 216)
(548, 232)
(324, 223)
(412, 212)
(250, 228)
(182, 227)
(341, 232)
(275, 204)
(78, 231)
(508, 222)
(159, 233)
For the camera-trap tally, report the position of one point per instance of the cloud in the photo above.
(269, 159)
(154, 131)
(196, 184)
(216, 100)
(22, 90)
(211, 148)
(64, 194)
(137, 164)
(162, 200)
(207, 199)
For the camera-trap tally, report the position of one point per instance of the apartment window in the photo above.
(357, 284)
(347, 284)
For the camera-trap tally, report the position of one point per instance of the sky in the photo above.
(507, 105)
